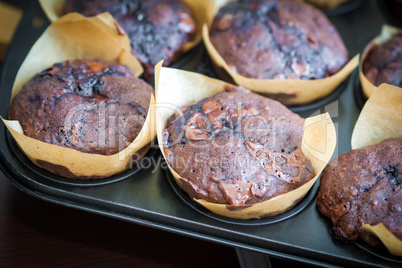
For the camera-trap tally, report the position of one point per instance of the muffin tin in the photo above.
(148, 195)
(344, 8)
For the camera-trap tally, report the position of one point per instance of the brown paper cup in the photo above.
(377, 235)
(328, 4)
(76, 37)
(176, 88)
(203, 11)
(296, 92)
(387, 32)
(379, 120)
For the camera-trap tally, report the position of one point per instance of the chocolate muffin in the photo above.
(90, 106)
(287, 39)
(363, 186)
(383, 62)
(157, 29)
(237, 148)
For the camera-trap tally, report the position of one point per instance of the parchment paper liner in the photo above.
(220, 3)
(176, 88)
(203, 12)
(76, 37)
(379, 234)
(379, 120)
(297, 92)
(387, 31)
(327, 4)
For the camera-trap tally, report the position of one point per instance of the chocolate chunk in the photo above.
(198, 120)
(195, 134)
(338, 211)
(228, 163)
(210, 106)
(393, 173)
(236, 191)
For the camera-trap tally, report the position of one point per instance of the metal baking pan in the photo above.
(147, 195)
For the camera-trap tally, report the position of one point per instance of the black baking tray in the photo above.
(147, 195)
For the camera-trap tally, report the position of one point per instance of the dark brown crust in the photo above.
(157, 28)
(287, 39)
(237, 148)
(383, 62)
(90, 106)
(363, 186)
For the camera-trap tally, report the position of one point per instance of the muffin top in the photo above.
(363, 186)
(91, 106)
(237, 148)
(287, 39)
(157, 29)
(383, 62)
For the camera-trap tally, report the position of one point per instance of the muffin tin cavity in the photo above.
(357, 90)
(284, 216)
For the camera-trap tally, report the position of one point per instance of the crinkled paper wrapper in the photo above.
(295, 92)
(76, 37)
(176, 88)
(387, 32)
(327, 4)
(220, 3)
(380, 119)
(203, 11)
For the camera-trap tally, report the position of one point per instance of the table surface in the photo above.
(35, 233)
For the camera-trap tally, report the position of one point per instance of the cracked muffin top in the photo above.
(237, 148)
(157, 29)
(363, 186)
(383, 63)
(90, 106)
(268, 39)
